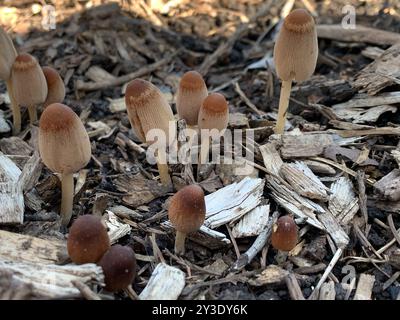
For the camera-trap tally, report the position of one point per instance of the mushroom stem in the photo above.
(283, 106)
(32, 114)
(16, 110)
(67, 189)
(180, 243)
(163, 169)
(203, 155)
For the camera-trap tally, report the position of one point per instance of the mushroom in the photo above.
(213, 115)
(55, 85)
(28, 83)
(284, 234)
(148, 109)
(64, 147)
(295, 56)
(192, 91)
(119, 267)
(87, 240)
(186, 212)
(7, 58)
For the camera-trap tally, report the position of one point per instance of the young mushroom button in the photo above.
(186, 212)
(55, 85)
(87, 239)
(284, 234)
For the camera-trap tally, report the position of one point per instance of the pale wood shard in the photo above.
(253, 223)
(364, 287)
(303, 181)
(381, 73)
(366, 101)
(306, 145)
(166, 283)
(116, 229)
(389, 186)
(372, 52)
(230, 203)
(52, 281)
(117, 105)
(327, 291)
(205, 236)
(294, 203)
(343, 203)
(334, 229)
(13, 289)
(361, 115)
(321, 168)
(274, 275)
(368, 132)
(272, 159)
(260, 242)
(11, 193)
(23, 248)
(125, 212)
(359, 34)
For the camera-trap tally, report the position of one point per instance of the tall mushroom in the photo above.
(64, 147)
(28, 83)
(186, 212)
(55, 86)
(7, 58)
(148, 109)
(213, 115)
(295, 56)
(192, 91)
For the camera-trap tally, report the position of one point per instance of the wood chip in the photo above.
(364, 287)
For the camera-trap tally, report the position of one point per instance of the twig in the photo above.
(257, 246)
(293, 287)
(90, 86)
(156, 250)
(393, 228)
(362, 197)
(326, 273)
(247, 100)
(235, 246)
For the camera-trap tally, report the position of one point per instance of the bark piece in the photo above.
(389, 186)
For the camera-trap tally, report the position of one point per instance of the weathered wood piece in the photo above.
(116, 229)
(389, 186)
(327, 291)
(11, 193)
(166, 283)
(381, 73)
(252, 223)
(343, 203)
(23, 248)
(364, 287)
(304, 181)
(230, 203)
(359, 34)
(52, 281)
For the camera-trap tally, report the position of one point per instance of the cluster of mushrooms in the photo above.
(64, 145)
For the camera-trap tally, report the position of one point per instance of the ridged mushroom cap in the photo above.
(119, 267)
(284, 234)
(64, 144)
(87, 240)
(192, 91)
(7, 55)
(214, 112)
(296, 48)
(28, 81)
(148, 109)
(187, 209)
(55, 86)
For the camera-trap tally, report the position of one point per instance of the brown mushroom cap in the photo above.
(284, 234)
(192, 91)
(87, 240)
(296, 48)
(147, 108)
(214, 112)
(119, 267)
(7, 55)
(64, 144)
(28, 81)
(55, 85)
(187, 209)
